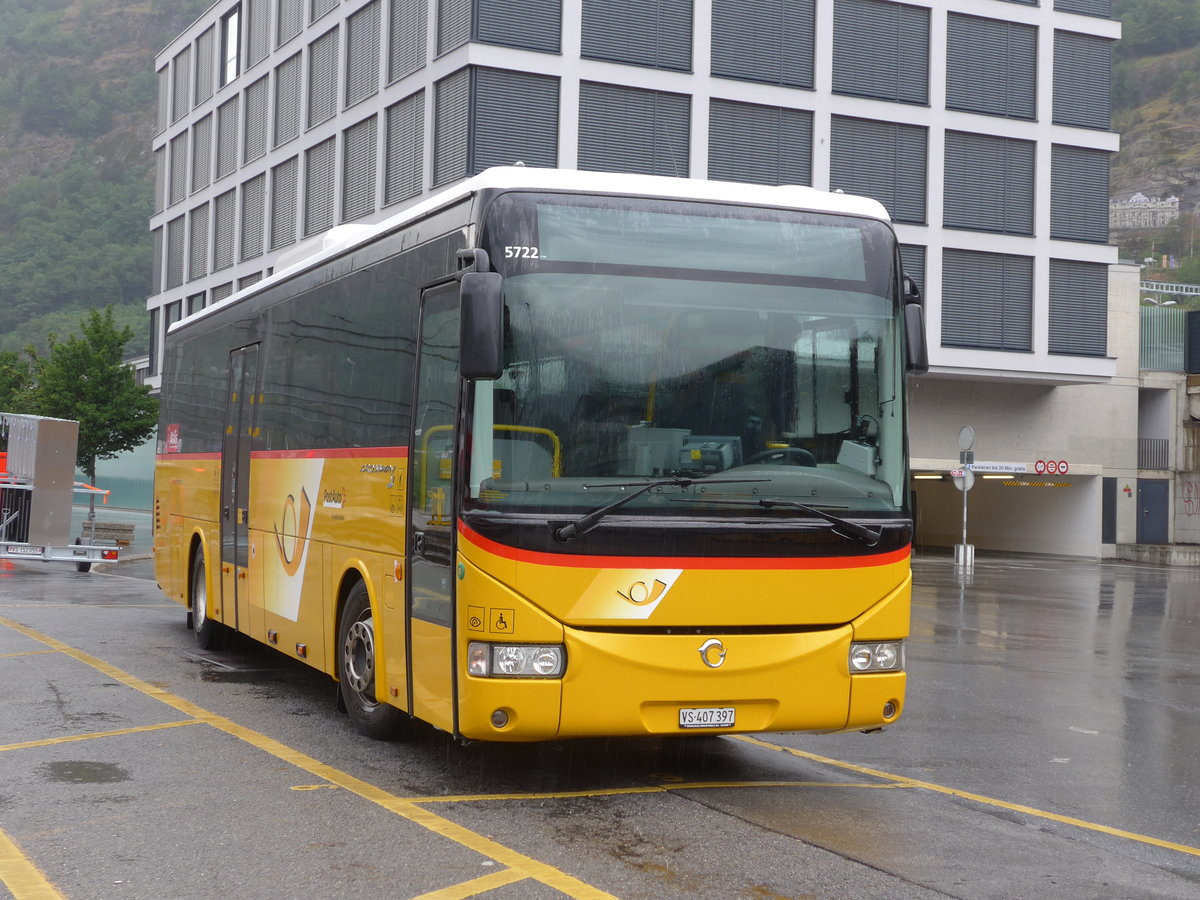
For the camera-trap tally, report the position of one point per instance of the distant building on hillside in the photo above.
(1139, 211)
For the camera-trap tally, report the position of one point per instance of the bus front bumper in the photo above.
(625, 684)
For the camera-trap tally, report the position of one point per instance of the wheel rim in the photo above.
(359, 656)
(199, 598)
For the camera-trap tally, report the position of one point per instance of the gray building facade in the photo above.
(982, 125)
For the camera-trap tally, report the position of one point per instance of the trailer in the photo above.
(37, 491)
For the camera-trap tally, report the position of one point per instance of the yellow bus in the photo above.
(559, 454)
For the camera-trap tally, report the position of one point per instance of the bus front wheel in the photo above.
(208, 631)
(356, 667)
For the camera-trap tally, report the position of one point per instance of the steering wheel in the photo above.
(783, 456)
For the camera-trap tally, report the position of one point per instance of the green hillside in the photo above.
(77, 106)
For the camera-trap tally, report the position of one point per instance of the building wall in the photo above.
(353, 110)
(1022, 423)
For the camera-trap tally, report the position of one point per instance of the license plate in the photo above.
(23, 550)
(707, 717)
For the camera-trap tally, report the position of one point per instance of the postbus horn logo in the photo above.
(289, 546)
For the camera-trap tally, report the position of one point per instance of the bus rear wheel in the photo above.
(356, 667)
(208, 631)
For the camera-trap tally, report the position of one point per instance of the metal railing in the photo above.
(1163, 339)
(1154, 453)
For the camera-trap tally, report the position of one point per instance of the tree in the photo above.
(83, 378)
(14, 379)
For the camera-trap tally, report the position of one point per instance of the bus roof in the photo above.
(317, 249)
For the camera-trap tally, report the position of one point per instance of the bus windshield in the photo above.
(753, 349)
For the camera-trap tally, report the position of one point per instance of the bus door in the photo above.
(431, 509)
(235, 484)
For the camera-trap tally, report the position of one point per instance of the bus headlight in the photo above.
(882, 656)
(516, 660)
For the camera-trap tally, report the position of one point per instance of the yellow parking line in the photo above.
(116, 732)
(512, 859)
(23, 879)
(25, 653)
(902, 781)
(475, 886)
(649, 789)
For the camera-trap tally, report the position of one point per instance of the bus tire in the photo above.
(356, 667)
(208, 631)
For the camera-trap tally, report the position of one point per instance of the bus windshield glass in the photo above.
(753, 349)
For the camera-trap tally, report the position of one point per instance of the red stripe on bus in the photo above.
(575, 561)
(345, 453)
(333, 453)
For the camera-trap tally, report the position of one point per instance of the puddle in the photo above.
(76, 771)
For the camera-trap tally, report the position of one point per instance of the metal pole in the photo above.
(964, 540)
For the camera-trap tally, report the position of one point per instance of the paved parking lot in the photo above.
(1047, 751)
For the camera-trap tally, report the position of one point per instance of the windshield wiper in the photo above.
(588, 521)
(843, 527)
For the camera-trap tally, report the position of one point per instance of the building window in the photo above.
(884, 160)
(224, 230)
(451, 127)
(288, 88)
(258, 30)
(321, 7)
(987, 300)
(404, 164)
(205, 61)
(179, 168)
(991, 66)
(538, 27)
(1078, 308)
(476, 125)
(289, 21)
(656, 33)
(253, 216)
(362, 54)
(181, 70)
(319, 181)
(759, 144)
(453, 24)
(202, 146)
(198, 242)
(1101, 8)
(881, 50)
(155, 340)
(175, 245)
(406, 38)
(912, 263)
(1082, 80)
(769, 41)
(323, 78)
(231, 46)
(195, 303)
(255, 129)
(156, 272)
(164, 97)
(989, 183)
(624, 129)
(283, 203)
(1079, 186)
(358, 162)
(227, 137)
(160, 178)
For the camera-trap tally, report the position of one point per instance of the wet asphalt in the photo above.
(1048, 749)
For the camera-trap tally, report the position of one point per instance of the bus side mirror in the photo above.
(914, 339)
(481, 331)
(912, 293)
